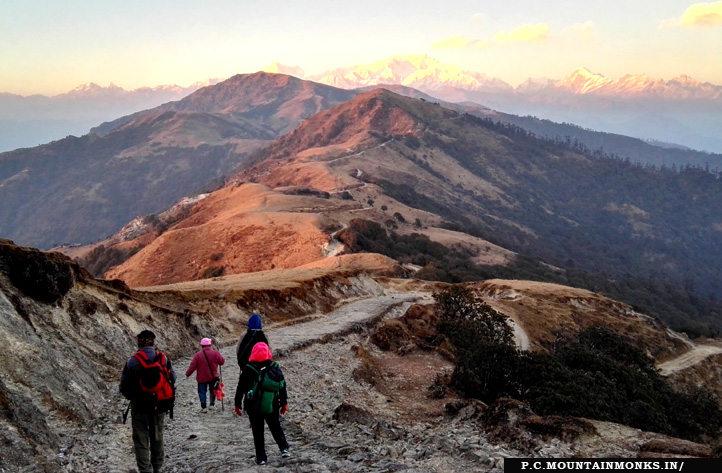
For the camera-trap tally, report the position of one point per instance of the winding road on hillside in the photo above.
(334, 246)
(686, 360)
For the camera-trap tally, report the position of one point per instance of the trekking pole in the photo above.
(125, 414)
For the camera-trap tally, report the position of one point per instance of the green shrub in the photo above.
(102, 258)
(482, 342)
(466, 317)
(599, 376)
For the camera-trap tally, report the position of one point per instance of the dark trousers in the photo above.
(148, 441)
(274, 425)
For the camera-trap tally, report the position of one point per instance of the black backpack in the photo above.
(263, 395)
(245, 351)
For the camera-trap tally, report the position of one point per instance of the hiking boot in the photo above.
(262, 462)
(285, 453)
(212, 407)
(204, 410)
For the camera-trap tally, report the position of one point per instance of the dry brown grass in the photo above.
(550, 313)
(254, 228)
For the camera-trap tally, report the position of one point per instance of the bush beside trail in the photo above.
(600, 375)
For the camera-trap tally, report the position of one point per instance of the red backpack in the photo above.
(155, 381)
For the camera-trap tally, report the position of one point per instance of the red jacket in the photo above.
(204, 372)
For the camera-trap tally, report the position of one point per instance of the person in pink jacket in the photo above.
(205, 363)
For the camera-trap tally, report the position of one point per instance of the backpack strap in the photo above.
(242, 350)
(259, 376)
(142, 358)
(276, 367)
(145, 362)
(209, 363)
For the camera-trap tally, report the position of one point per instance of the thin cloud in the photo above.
(459, 42)
(699, 14)
(524, 34)
(478, 17)
(581, 32)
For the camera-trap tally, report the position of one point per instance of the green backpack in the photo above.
(264, 392)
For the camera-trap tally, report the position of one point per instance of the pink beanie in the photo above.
(260, 352)
(206, 342)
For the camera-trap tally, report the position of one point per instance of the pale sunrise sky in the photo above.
(51, 46)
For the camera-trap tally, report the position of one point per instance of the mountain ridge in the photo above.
(145, 162)
(413, 167)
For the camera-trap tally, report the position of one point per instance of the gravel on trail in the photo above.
(318, 361)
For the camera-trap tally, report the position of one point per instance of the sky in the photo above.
(50, 47)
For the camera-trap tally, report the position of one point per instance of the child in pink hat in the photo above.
(205, 363)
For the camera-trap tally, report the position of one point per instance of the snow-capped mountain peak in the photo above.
(686, 81)
(418, 71)
(92, 87)
(535, 84)
(583, 81)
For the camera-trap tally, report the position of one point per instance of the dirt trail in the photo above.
(220, 441)
(217, 439)
(688, 359)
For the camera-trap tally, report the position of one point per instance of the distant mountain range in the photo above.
(455, 84)
(584, 82)
(681, 110)
(27, 121)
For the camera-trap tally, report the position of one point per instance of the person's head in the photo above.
(146, 338)
(260, 352)
(254, 322)
(206, 342)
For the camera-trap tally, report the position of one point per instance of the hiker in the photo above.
(262, 394)
(206, 363)
(147, 412)
(253, 335)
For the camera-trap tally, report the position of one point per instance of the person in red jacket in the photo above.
(205, 363)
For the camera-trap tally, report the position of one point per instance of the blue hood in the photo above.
(254, 323)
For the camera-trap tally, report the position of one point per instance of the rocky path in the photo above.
(220, 441)
(319, 379)
(318, 357)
